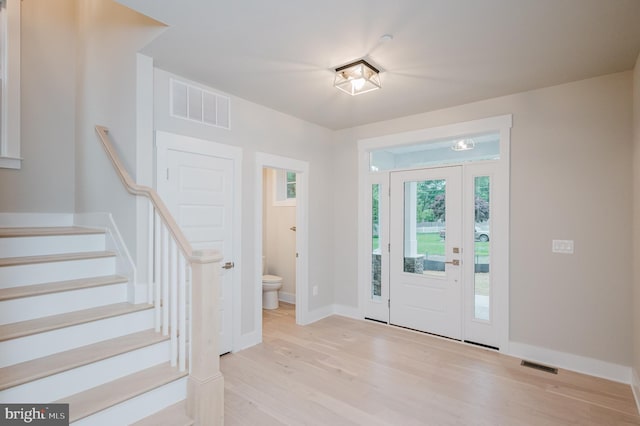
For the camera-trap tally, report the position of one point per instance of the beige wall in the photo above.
(570, 179)
(46, 181)
(256, 128)
(636, 219)
(278, 241)
(109, 37)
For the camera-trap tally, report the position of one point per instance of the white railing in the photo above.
(173, 264)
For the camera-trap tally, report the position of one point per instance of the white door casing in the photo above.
(197, 181)
(264, 160)
(494, 332)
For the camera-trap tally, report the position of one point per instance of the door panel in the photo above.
(426, 236)
(198, 190)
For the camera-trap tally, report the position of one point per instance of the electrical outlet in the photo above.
(315, 290)
(562, 246)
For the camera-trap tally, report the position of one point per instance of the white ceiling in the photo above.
(282, 53)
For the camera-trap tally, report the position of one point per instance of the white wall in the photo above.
(109, 36)
(255, 128)
(46, 181)
(278, 241)
(570, 179)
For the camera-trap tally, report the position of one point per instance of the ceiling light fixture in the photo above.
(357, 77)
(463, 145)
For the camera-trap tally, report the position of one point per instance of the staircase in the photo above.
(68, 334)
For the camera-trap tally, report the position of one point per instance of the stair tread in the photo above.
(59, 286)
(25, 372)
(39, 325)
(47, 258)
(96, 399)
(47, 231)
(174, 415)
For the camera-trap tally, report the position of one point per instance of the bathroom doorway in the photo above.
(279, 190)
(301, 236)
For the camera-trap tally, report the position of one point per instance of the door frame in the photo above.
(272, 161)
(498, 124)
(165, 141)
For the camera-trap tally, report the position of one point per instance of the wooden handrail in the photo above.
(151, 194)
(205, 386)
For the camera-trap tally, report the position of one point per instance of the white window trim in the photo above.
(10, 50)
(280, 189)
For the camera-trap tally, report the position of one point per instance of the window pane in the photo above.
(482, 236)
(291, 190)
(435, 152)
(424, 227)
(376, 256)
(291, 177)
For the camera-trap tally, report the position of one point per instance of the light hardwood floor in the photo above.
(340, 371)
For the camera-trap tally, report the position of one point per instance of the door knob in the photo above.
(228, 265)
(454, 262)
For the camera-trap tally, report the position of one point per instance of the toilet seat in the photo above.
(271, 279)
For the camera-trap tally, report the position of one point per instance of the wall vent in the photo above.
(195, 104)
(540, 367)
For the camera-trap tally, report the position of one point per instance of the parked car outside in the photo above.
(482, 236)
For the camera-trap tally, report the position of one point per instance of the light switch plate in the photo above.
(562, 246)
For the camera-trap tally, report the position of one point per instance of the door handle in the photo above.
(454, 262)
(228, 265)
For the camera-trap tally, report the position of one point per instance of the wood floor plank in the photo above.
(345, 371)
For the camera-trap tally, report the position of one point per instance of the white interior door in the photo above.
(198, 190)
(425, 252)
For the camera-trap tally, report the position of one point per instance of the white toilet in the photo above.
(270, 286)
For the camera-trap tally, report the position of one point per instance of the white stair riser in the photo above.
(27, 308)
(55, 244)
(140, 407)
(42, 344)
(39, 273)
(88, 376)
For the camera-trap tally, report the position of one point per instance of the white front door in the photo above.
(425, 251)
(198, 190)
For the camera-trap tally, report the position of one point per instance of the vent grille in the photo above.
(540, 367)
(195, 104)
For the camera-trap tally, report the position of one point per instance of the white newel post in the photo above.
(205, 392)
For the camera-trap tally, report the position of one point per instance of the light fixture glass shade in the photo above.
(463, 145)
(357, 77)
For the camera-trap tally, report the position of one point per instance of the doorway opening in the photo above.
(279, 191)
(301, 293)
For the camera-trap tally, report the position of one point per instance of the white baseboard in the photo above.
(14, 220)
(635, 387)
(347, 311)
(567, 361)
(317, 314)
(247, 340)
(114, 242)
(287, 297)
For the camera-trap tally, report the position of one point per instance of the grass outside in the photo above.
(432, 243)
